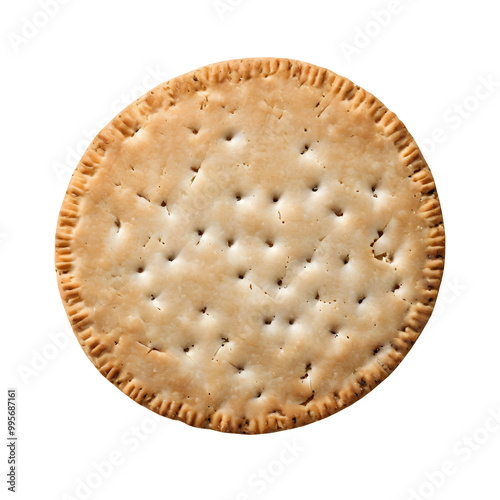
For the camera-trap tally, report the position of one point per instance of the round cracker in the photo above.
(251, 246)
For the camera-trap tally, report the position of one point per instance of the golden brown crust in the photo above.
(100, 348)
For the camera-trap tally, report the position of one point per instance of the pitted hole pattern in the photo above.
(268, 320)
(241, 275)
(203, 310)
(333, 331)
(140, 270)
(305, 148)
(276, 197)
(230, 242)
(269, 243)
(238, 196)
(338, 212)
(346, 259)
(317, 296)
(200, 232)
(171, 257)
(308, 260)
(374, 194)
(163, 204)
(118, 224)
(291, 321)
(315, 188)
(195, 168)
(279, 282)
(397, 286)
(229, 136)
(153, 296)
(195, 130)
(361, 299)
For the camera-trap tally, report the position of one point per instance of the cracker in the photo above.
(251, 246)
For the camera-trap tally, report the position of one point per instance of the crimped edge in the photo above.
(130, 120)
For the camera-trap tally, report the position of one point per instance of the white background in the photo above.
(61, 81)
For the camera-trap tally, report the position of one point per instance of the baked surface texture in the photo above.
(251, 246)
